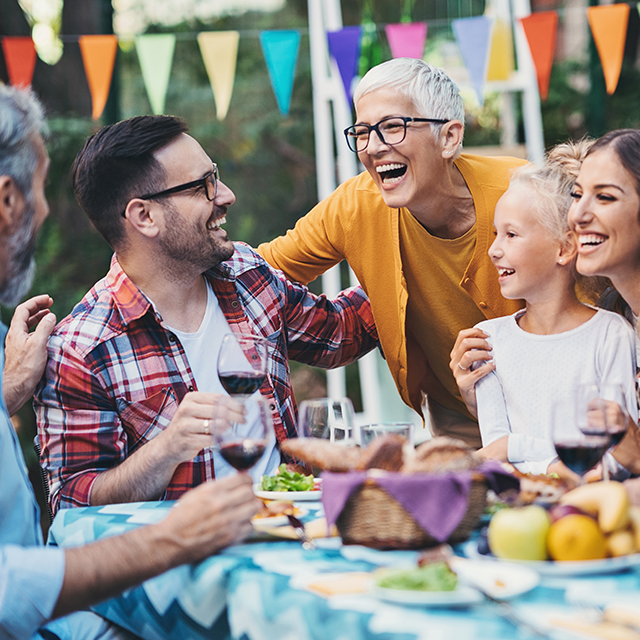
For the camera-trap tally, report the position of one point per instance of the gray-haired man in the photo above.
(39, 583)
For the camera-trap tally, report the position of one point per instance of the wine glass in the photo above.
(242, 444)
(242, 364)
(581, 452)
(326, 418)
(602, 410)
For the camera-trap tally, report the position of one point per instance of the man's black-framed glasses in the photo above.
(392, 130)
(208, 183)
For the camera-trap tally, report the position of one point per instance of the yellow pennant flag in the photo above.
(609, 28)
(98, 56)
(219, 51)
(501, 62)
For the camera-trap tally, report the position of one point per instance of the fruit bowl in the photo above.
(551, 568)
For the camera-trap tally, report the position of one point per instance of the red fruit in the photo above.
(561, 510)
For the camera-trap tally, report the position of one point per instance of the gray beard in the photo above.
(21, 267)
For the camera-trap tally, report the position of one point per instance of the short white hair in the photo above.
(431, 90)
(21, 120)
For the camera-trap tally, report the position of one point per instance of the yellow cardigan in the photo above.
(355, 224)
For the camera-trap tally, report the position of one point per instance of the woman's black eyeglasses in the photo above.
(209, 183)
(392, 130)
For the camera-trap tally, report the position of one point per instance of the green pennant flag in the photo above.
(155, 53)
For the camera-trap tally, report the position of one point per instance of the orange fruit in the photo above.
(576, 537)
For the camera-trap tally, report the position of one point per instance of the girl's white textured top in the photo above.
(534, 384)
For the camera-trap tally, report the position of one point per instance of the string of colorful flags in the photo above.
(485, 44)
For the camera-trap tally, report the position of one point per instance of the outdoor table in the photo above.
(253, 591)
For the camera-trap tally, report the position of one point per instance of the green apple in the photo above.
(519, 533)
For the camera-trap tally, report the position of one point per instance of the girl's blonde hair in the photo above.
(553, 184)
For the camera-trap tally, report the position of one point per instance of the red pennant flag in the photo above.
(98, 56)
(540, 29)
(609, 28)
(20, 58)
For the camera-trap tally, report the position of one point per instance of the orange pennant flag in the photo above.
(98, 56)
(540, 29)
(609, 28)
(20, 58)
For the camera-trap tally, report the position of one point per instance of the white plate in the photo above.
(287, 496)
(277, 521)
(500, 580)
(460, 597)
(568, 569)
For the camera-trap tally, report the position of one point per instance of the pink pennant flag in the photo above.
(20, 58)
(407, 40)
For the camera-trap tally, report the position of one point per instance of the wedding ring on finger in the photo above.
(463, 368)
(206, 428)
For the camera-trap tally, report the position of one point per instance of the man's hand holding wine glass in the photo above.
(199, 415)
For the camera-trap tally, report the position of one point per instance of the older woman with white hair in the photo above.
(415, 227)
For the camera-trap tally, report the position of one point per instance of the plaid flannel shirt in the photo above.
(115, 375)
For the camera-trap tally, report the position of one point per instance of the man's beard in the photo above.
(21, 264)
(185, 243)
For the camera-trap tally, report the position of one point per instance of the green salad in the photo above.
(287, 481)
(432, 577)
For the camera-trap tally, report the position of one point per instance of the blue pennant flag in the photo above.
(474, 37)
(280, 49)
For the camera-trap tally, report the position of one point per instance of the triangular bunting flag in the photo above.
(609, 28)
(406, 40)
(344, 46)
(473, 38)
(98, 57)
(280, 49)
(20, 58)
(155, 53)
(219, 51)
(501, 57)
(540, 29)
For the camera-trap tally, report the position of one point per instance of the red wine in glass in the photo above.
(241, 383)
(242, 364)
(242, 444)
(581, 455)
(242, 454)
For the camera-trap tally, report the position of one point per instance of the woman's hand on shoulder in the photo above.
(470, 361)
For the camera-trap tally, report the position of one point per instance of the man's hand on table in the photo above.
(470, 349)
(212, 516)
(26, 350)
(208, 518)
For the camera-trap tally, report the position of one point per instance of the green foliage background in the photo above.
(267, 159)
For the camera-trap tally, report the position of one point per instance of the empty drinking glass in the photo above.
(326, 418)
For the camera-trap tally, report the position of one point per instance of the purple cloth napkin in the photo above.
(437, 501)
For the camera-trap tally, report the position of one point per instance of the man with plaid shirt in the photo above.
(126, 401)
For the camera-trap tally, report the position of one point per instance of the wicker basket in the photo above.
(373, 518)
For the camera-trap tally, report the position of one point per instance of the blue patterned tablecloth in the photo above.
(254, 592)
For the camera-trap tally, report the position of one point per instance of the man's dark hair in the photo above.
(118, 164)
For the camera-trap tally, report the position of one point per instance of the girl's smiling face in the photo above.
(524, 252)
(604, 217)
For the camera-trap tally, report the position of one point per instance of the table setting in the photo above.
(389, 544)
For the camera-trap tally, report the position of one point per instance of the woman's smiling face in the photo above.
(405, 173)
(605, 217)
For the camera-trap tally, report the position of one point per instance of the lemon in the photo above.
(576, 537)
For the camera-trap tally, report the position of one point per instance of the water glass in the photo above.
(326, 418)
(371, 431)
